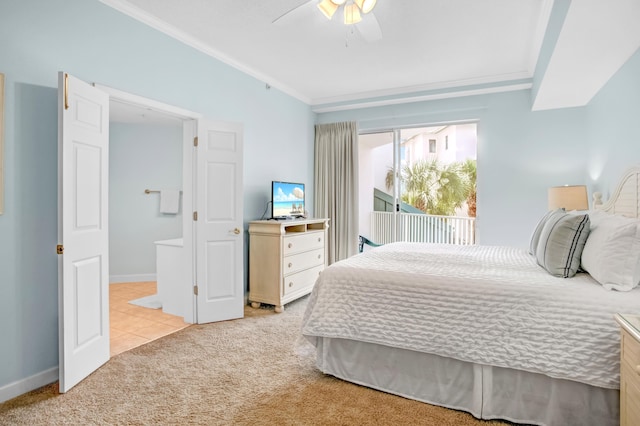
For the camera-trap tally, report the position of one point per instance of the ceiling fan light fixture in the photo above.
(352, 14)
(366, 6)
(338, 2)
(328, 8)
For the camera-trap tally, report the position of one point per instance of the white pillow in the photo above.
(597, 216)
(612, 252)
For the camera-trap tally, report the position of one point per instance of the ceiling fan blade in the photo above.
(369, 28)
(304, 5)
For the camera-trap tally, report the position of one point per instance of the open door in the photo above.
(83, 261)
(219, 226)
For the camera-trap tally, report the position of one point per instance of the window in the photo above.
(432, 146)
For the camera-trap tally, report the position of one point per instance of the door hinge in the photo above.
(195, 290)
(60, 249)
(195, 141)
(195, 215)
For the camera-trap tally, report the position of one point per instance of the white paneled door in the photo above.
(219, 224)
(83, 238)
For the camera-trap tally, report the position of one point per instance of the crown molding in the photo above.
(540, 32)
(455, 85)
(420, 98)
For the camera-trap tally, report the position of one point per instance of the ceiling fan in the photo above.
(356, 12)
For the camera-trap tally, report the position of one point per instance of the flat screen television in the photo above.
(287, 200)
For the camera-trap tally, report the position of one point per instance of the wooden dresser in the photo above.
(629, 369)
(285, 259)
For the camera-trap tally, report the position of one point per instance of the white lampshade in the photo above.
(569, 197)
(366, 6)
(352, 14)
(328, 8)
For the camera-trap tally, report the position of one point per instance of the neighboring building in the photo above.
(447, 144)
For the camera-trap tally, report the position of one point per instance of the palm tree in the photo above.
(433, 187)
(470, 168)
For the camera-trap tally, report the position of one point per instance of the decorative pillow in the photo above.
(612, 253)
(535, 237)
(561, 243)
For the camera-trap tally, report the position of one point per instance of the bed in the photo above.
(485, 329)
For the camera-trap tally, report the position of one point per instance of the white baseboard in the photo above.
(133, 278)
(23, 386)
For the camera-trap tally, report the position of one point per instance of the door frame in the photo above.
(189, 132)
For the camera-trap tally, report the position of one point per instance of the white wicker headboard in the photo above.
(625, 200)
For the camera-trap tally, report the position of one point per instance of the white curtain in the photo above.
(336, 186)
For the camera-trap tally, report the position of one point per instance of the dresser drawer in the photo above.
(301, 281)
(303, 242)
(629, 396)
(630, 351)
(300, 261)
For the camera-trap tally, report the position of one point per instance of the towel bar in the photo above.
(149, 191)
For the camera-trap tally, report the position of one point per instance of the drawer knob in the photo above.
(290, 245)
(290, 265)
(319, 239)
(319, 256)
(290, 284)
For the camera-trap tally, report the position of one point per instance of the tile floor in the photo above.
(132, 325)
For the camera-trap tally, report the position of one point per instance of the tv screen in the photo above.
(287, 200)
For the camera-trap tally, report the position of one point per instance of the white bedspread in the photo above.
(482, 304)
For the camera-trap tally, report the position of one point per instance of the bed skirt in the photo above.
(484, 391)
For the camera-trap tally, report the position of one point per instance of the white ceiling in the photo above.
(425, 45)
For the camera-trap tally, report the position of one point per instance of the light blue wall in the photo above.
(520, 153)
(613, 124)
(141, 157)
(38, 38)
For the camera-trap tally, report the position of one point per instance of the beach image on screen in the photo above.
(288, 199)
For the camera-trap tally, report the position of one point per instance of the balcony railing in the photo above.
(423, 228)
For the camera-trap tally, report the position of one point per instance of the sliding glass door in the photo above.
(418, 184)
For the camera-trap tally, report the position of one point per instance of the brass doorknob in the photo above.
(236, 231)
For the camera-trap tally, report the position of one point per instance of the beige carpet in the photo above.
(253, 371)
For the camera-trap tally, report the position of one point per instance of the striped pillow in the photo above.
(561, 243)
(535, 237)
